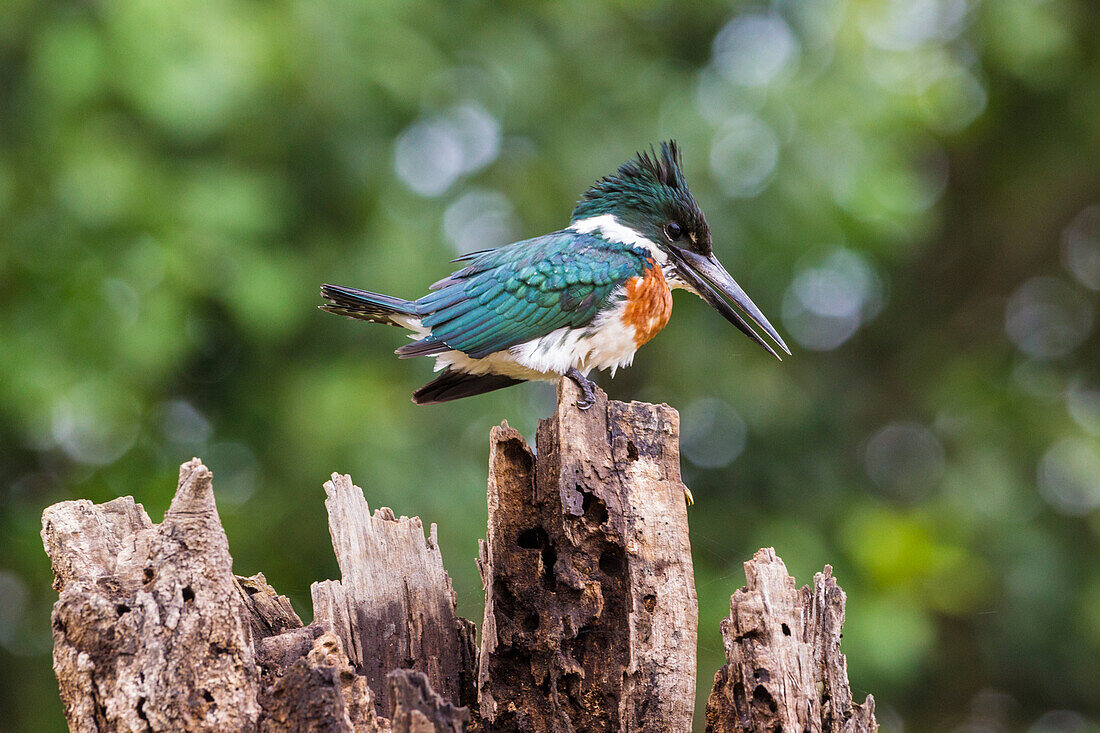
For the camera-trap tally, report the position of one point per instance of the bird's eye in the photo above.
(673, 231)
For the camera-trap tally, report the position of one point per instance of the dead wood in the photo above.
(784, 668)
(150, 631)
(418, 709)
(590, 612)
(319, 691)
(153, 632)
(394, 607)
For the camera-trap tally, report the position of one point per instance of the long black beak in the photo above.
(707, 276)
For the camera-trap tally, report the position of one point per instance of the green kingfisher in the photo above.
(582, 298)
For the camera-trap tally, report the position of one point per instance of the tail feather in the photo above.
(367, 306)
(453, 385)
(424, 347)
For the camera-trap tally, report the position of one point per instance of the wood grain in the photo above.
(590, 611)
(590, 614)
(394, 606)
(784, 669)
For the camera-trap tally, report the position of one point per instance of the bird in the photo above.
(583, 298)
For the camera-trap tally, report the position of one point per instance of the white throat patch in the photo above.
(613, 230)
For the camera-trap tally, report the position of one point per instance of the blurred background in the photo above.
(910, 189)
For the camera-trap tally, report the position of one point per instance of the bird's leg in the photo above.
(586, 386)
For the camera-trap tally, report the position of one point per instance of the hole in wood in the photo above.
(148, 575)
(650, 602)
(611, 561)
(786, 630)
(549, 558)
(594, 508)
(122, 608)
(577, 648)
(631, 450)
(571, 682)
(739, 693)
(532, 539)
(188, 594)
(207, 696)
(761, 696)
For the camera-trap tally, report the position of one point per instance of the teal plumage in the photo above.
(583, 298)
(524, 291)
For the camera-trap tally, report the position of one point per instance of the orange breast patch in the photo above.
(648, 304)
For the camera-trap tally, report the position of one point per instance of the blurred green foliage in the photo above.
(910, 189)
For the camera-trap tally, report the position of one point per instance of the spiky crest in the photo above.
(646, 193)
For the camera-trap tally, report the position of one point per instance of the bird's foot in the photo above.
(689, 497)
(586, 387)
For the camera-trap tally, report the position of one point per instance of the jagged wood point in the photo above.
(784, 669)
(590, 615)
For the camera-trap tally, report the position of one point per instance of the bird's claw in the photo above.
(589, 397)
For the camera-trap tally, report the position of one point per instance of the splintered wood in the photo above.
(394, 607)
(784, 668)
(590, 610)
(153, 632)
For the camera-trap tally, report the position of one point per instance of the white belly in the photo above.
(606, 343)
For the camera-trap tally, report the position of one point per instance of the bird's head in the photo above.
(647, 202)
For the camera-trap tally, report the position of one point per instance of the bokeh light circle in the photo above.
(905, 460)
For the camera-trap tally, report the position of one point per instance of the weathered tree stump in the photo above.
(590, 609)
(784, 668)
(590, 614)
(150, 630)
(418, 709)
(395, 607)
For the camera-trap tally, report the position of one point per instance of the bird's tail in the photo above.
(454, 385)
(367, 306)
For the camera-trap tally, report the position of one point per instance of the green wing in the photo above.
(523, 291)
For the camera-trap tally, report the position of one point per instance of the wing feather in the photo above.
(524, 291)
